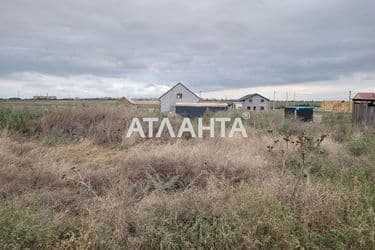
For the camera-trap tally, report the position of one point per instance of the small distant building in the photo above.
(364, 109)
(47, 97)
(192, 110)
(303, 113)
(177, 94)
(126, 101)
(254, 102)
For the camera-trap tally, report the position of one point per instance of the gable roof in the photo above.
(183, 87)
(125, 100)
(201, 104)
(251, 95)
(366, 96)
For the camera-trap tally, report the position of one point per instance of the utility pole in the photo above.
(274, 99)
(294, 98)
(350, 95)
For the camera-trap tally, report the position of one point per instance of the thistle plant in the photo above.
(304, 147)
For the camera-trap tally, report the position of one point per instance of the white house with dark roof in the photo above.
(254, 102)
(179, 93)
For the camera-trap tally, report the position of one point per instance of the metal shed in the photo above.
(193, 110)
(304, 113)
(364, 109)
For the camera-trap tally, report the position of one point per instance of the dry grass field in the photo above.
(63, 104)
(70, 179)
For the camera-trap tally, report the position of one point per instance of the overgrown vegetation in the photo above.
(289, 185)
(16, 120)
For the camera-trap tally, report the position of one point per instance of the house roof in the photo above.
(126, 100)
(176, 86)
(201, 104)
(251, 95)
(365, 96)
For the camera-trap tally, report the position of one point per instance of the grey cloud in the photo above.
(213, 44)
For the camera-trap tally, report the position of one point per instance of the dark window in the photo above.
(179, 96)
(250, 100)
(261, 108)
(261, 100)
(254, 108)
(248, 108)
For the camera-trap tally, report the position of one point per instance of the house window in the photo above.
(254, 108)
(179, 96)
(261, 108)
(248, 108)
(250, 100)
(261, 100)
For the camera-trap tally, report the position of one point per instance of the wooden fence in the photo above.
(363, 114)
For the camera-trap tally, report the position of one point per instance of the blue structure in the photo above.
(193, 110)
(304, 113)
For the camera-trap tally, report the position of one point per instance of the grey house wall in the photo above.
(169, 100)
(256, 102)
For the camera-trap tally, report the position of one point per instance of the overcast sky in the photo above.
(224, 48)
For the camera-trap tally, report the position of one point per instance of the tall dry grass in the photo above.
(102, 124)
(247, 193)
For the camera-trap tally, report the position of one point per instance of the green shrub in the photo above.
(246, 220)
(323, 167)
(49, 141)
(332, 118)
(264, 121)
(334, 239)
(339, 126)
(20, 229)
(285, 129)
(16, 120)
(26, 228)
(364, 145)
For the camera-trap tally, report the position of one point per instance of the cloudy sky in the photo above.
(222, 48)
